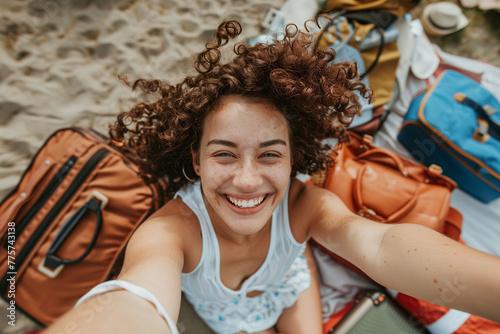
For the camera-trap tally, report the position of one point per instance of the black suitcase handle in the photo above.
(483, 112)
(53, 264)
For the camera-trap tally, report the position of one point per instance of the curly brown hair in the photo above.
(317, 98)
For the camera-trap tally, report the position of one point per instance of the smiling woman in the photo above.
(234, 240)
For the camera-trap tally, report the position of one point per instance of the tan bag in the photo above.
(65, 225)
(383, 186)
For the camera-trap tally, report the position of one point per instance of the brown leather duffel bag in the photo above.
(66, 223)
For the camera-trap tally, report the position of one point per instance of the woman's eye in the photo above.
(224, 155)
(270, 155)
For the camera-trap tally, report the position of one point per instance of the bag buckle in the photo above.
(49, 272)
(100, 197)
(481, 133)
(435, 169)
(367, 138)
(489, 110)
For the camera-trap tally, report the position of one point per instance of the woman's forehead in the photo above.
(255, 119)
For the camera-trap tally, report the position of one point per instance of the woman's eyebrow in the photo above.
(272, 142)
(222, 142)
(233, 144)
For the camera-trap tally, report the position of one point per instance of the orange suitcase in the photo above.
(65, 225)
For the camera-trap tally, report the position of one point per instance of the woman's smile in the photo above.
(246, 203)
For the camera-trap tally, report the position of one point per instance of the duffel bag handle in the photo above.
(52, 265)
(398, 165)
(483, 112)
(368, 212)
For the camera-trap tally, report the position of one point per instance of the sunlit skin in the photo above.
(244, 162)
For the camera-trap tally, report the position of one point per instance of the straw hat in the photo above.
(443, 18)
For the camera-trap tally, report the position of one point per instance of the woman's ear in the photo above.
(196, 161)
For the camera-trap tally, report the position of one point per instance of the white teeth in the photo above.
(244, 203)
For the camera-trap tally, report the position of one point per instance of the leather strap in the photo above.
(453, 224)
(398, 164)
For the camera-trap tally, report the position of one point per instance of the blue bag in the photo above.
(455, 124)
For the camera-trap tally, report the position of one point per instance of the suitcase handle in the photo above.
(483, 112)
(52, 264)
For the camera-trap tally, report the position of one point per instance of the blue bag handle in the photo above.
(483, 113)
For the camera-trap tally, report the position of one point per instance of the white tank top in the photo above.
(282, 276)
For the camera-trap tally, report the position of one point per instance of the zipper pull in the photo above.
(66, 168)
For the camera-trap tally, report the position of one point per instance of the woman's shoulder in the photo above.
(174, 214)
(174, 224)
(301, 193)
(174, 218)
(174, 208)
(308, 204)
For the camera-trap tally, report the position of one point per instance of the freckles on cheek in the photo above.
(215, 173)
(219, 176)
(282, 175)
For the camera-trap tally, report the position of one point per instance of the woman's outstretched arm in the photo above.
(409, 258)
(153, 261)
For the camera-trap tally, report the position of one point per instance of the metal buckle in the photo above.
(481, 133)
(49, 272)
(95, 194)
(489, 110)
(436, 169)
(367, 138)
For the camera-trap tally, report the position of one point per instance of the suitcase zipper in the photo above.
(51, 187)
(28, 247)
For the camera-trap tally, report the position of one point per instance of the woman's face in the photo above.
(244, 163)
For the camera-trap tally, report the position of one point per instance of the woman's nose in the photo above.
(247, 176)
